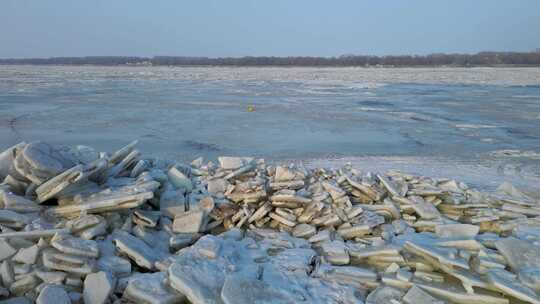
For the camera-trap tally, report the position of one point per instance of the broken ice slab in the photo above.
(51, 277)
(290, 198)
(334, 190)
(151, 288)
(386, 209)
(390, 185)
(10, 184)
(141, 166)
(179, 179)
(136, 249)
(370, 192)
(202, 274)
(116, 265)
(200, 282)
(78, 265)
(172, 203)
(7, 162)
(53, 295)
(117, 156)
(156, 239)
(366, 252)
(528, 211)
(285, 174)
(530, 278)
(304, 231)
(24, 285)
(519, 254)
(206, 204)
(33, 234)
(233, 163)
(416, 295)
(146, 218)
(59, 183)
(335, 252)
(13, 219)
(249, 197)
(422, 208)
(98, 287)
(512, 287)
(508, 193)
(294, 185)
(121, 168)
(75, 246)
(182, 240)
(354, 231)
(190, 222)
(88, 226)
(241, 288)
(351, 275)
(263, 210)
(456, 230)
(217, 186)
(282, 220)
(456, 294)
(18, 203)
(27, 255)
(436, 255)
(38, 162)
(114, 201)
(384, 294)
(6, 250)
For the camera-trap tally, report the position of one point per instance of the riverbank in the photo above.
(78, 224)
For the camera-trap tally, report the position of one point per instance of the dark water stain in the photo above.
(13, 123)
(420, 119)
(413, 140)
(200, 146)
(151, 136)
(373, 103)
(519, 133)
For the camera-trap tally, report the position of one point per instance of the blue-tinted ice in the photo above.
(480, 125)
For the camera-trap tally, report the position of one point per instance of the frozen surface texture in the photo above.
(474, 122)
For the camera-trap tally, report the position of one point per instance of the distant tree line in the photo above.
(479, 59)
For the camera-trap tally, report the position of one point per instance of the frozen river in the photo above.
(481, 125)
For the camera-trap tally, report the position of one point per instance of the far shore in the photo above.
(280, 66)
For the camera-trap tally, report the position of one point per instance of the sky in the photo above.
(219, 28)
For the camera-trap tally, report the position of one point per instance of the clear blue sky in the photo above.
(43, 28)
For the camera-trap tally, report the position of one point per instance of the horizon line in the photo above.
(278, 56)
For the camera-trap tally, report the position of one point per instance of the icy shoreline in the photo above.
(78, 225)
